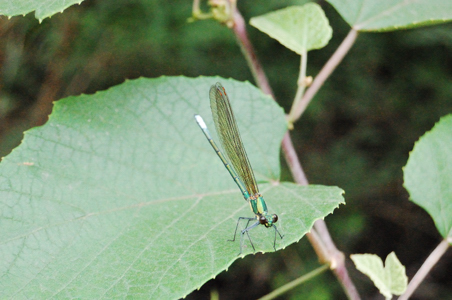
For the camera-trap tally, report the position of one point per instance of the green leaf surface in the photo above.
(390, 279)
(387, 15)
(299, 28)
(398, 280)
(120, 195)
(428, 174)
(42, 8)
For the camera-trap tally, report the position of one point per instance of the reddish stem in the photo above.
(320, 237)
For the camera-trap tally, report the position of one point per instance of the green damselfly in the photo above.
(240, 167)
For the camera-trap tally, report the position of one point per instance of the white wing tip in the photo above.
(200, 121)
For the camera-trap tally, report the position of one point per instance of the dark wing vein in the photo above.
(229, 136)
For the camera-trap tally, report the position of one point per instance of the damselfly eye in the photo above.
(275, 218)
(262, 220)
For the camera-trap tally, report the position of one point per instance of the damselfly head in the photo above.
(268, 220)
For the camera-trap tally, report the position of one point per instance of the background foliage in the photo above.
(357, 133)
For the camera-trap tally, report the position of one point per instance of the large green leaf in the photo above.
(42, 8)
(120, 194)
(428, 174)
(385, 15)
(299, 28)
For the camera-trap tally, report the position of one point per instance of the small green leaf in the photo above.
(299, 28)
(396, 271)
(390, 280)
(428, 174)
(42, 8)
(387, 15)
(120, 194)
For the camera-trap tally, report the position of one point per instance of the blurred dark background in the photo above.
(357, 133)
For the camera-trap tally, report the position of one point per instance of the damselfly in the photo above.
(240, 167)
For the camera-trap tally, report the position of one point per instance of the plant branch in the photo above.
(239, 28)
(432, 259)
(291, 158)
(302, 84)
(320, 237)
(326, 71)
(287, 287)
